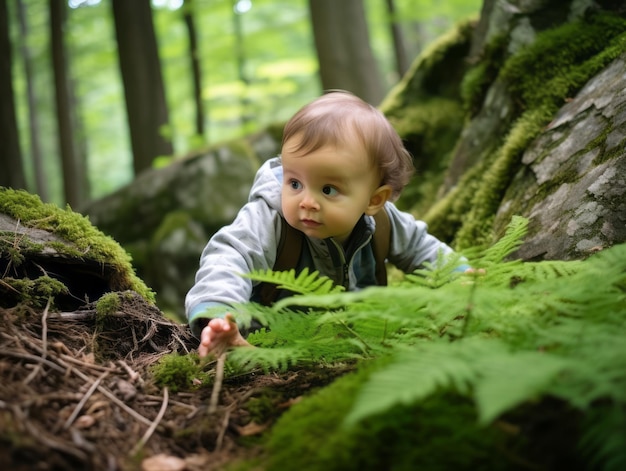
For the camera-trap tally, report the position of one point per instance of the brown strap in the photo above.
(381, 241)
(287, 256)
(290, 247)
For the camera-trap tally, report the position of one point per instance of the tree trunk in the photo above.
(195, 65)
(402, 62)
(41, 184)
(140, 67)
(240, 56)
(74, 174)
(343, 47)
(12, 173)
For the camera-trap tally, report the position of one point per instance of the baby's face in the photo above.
(326, 191)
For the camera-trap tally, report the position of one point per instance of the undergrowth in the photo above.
(509, 335)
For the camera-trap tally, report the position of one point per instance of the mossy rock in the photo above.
(53, 253)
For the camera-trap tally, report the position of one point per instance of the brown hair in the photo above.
(333, 117)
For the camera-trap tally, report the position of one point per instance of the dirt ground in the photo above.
(77, 396)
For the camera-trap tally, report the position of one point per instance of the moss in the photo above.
(107, 305)
(429, 130)
(35, 293)
(88, 243)
(446, 216)
(435, 72)
(477, 225)
(539, 78)
(561, 60)
(427, 111)
(478, 79)
(405, 438)
(177, 372)
(263, 407)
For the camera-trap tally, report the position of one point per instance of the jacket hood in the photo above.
(268, 183)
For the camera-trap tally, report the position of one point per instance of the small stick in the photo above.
(220, 437)
(134, 376)
(35, 358)
(80, 374)
(44, 329)
(153, 425)
(44, 341)
(219, 376)
(82, 402)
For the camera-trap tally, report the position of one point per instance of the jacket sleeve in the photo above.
(249, 243)
(411, 245)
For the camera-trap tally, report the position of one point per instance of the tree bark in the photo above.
(402, 62)
(144, 91)
(195, 65)
(74, 173)
(240, 56)
(346, 60)
(41, 184)
(12, 170)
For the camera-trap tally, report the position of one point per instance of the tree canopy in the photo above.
(257, 61)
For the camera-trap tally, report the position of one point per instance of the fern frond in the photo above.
(279, 358)
(499, 379)
(604, 437)
(509, 242)
(304, 283)
(416, 374)
(440, 273)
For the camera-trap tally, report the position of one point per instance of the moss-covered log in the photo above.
(47, 252)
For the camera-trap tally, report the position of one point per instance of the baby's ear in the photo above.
(378, 199)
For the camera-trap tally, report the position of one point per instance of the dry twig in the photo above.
(153, 425)
(217, 386)
(44, 340)
(82, 402)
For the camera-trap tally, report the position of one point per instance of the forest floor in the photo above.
(77, 395)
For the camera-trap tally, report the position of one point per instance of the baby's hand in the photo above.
(220, 334)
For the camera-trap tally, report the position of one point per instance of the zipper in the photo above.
(345, 275)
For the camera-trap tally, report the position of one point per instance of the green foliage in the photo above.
(539, 79)
(504, 338)
(35, 293)
(479, 78)
(559, 62)
(412, 437)
(278, 63)
(177, 372)
(107, 305)
(304, 283)
(84, 240)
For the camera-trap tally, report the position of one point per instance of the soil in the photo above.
(76, 394)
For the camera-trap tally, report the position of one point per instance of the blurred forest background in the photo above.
(95, 91)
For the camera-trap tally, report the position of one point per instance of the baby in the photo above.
(341, 163)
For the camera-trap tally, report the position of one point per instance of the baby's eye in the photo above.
(295, 184)
(329, 190)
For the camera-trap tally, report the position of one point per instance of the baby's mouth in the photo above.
(310, 223)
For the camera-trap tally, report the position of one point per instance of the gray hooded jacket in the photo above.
(250, 243)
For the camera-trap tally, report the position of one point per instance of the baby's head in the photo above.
(337, 117)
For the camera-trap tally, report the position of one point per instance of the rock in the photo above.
(572, 186)
(165, 217)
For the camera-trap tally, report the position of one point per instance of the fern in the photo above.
(304, 283)
(509, 243)
(510, 336)
(438, 274)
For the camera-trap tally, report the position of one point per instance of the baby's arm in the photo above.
(220, 334)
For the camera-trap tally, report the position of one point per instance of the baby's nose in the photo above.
(308, 202)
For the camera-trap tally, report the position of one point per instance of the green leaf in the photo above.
(513, 378)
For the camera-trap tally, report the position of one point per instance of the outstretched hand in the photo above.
(219, 335)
